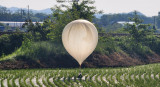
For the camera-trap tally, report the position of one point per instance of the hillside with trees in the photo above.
(42, 46)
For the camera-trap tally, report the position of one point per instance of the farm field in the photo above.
(137, 76)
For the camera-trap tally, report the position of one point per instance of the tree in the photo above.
(41, 16)
(38, 31)
(61, 17)
(138, 30)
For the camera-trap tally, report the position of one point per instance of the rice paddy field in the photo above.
(137, 76)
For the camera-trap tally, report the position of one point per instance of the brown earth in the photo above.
(95, 60)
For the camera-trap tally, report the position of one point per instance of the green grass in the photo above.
(138, 76)
(106, 46)
(36, 50)
(11, 56)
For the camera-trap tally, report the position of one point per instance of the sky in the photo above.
(147, 7)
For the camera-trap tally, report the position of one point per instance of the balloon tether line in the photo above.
(80, 69)
(80, 74)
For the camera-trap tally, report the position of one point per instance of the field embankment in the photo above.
(110, 52)
(66, 61)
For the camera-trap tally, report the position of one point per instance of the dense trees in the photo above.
(19, 15)
(138, 30)
(109, 21)
(77, 10)
(37, 30)
(10, 43)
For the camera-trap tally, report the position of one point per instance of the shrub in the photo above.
(9, 43)
(106, 45)
(130, 46)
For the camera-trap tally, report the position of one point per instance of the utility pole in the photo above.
(21, 14)
(154, 26)
(28, 13)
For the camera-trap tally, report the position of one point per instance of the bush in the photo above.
(153, 43)
(41, 49)
(129, 46)
(9, 43)
(106, 45)
(47, 53)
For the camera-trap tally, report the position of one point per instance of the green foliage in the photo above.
(9, 43)
(128, 45)
(62, 17)
(113, 27)
(109, 19)
(38, 31)
(26, 44)
(133, 44)
(44, 40)
(138, 30)
(120, 30)
(153, 43)
(40, 50)
(136, 43)
(106, 45)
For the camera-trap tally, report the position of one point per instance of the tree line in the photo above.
(20, 15)
(107, 21)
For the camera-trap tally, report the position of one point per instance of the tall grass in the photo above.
(43, 49)
(37, 50)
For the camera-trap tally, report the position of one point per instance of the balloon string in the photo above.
(80, 74)
(80, 69)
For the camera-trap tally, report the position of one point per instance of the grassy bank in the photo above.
(110, 51)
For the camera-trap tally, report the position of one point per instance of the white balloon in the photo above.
(80, 38)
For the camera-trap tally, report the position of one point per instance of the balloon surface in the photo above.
(80, 38)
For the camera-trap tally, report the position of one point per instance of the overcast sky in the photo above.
(147, 7)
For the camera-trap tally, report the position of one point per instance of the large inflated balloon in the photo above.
(80, 38)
